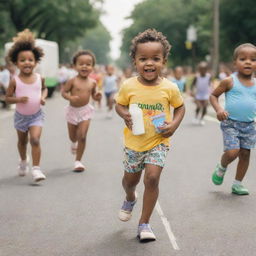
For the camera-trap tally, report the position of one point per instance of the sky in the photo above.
(114, 20)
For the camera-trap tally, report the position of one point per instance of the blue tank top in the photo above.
(240, 101)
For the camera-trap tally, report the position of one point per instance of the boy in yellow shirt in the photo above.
(154, 95)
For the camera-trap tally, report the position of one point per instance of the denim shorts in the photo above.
(238, 135)
(135, 161)
(23, 122)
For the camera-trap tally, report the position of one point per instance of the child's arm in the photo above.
(44, 92)
(170, 127)
(123, 111)
(192, 90)
(9, 98)
(96, 95)
(66, 92)
(224, 86)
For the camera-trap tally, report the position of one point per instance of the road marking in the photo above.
(167, 226)
(212, 119)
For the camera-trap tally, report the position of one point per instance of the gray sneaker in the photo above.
(145, 233)
(125, 212)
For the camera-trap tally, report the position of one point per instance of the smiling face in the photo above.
(149, 61)
(245, 62)
(84, 65)
(26, 62)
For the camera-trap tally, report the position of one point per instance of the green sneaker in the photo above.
(216, 179)
(239, 190)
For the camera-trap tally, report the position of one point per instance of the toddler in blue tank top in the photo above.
(238, 116)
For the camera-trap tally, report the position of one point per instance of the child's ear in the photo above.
(164, 61)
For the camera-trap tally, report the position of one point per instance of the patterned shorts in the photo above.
(77, 115)
(135, 161)
(238, 135)
(23, 122)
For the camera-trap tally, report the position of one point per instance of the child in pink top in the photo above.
(28, 91)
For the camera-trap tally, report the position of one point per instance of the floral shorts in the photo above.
(135, 161)
(238, 135)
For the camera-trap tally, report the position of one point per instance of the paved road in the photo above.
(74, 214)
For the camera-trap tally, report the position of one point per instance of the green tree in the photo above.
(55, 20)
(237, 25)
(98, 40)
(172, 18)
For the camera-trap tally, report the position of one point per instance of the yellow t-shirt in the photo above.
(153, 100)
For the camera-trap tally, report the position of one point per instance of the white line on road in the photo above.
(167, 226)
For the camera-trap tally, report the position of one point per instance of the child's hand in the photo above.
(42, 101)
(73, 99)
(23, 99)
(167, 130)
(222, 115)
(98, 96)
(127, 119)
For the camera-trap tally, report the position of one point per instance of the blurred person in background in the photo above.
(110, 87)
(200, 90)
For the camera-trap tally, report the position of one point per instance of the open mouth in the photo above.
(149, 70)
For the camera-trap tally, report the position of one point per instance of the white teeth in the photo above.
(149, 70)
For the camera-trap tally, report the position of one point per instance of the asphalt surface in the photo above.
(73, 214)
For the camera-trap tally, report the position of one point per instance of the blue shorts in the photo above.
(238, 135)
(135, 161)
(23, 122)
(108, 94)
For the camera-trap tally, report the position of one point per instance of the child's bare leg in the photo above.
(198, 107)
(243, 163)
(35, 134)
(129, 182)
(204, 108)
(82, 129)
(111, 101)
(72, 132)
(22, 144)
(151, 181)
(229, 156)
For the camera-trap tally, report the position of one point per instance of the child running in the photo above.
(28, 91)
(110, 85)
(78, 92)
(202, 86)
(237, 119)
(179, 78)
(154, 95)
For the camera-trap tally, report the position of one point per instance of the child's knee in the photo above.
(151, 181)
(35, 142)
(231, 154)
(81, 138)
(244, 154)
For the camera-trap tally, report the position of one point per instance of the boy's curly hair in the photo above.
(84, 52)
(24, 41)
(150, 35)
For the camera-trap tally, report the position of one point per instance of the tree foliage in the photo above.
(57, 20)
(96, 39)
(172, 17)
